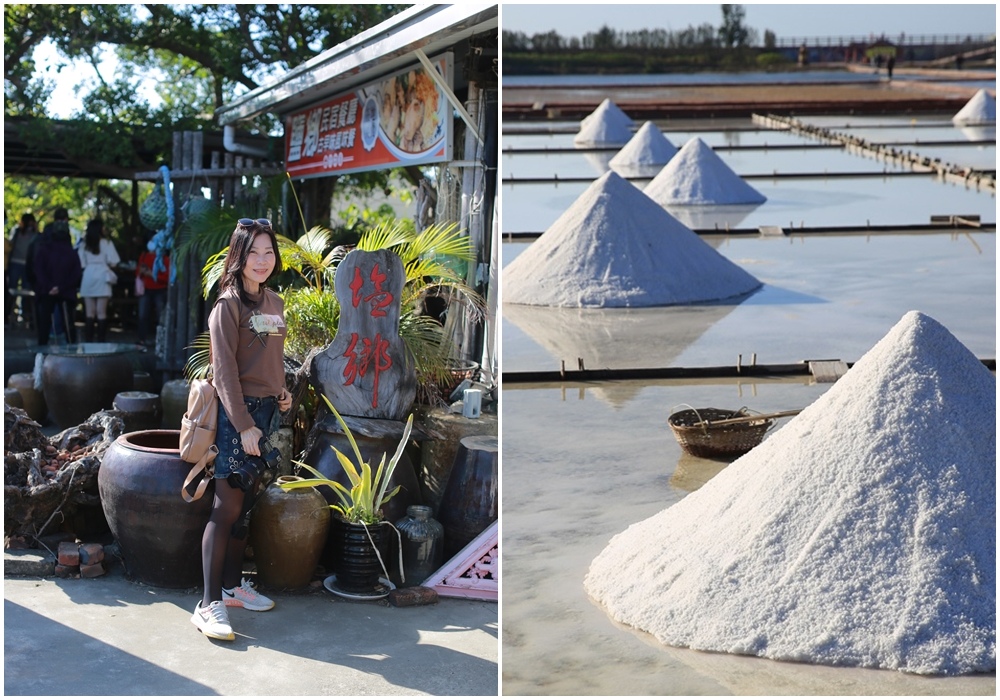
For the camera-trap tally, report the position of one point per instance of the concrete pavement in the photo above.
(110, 636)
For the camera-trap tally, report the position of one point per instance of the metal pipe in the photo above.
(229, 141)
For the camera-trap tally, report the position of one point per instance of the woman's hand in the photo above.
(251, 440)
(284, 400)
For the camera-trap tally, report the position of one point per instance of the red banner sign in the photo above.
(404, 119)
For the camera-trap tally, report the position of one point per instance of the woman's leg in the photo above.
(89, 321)
(216, 543)
(102, 318)
(44, 306)
(232, 570)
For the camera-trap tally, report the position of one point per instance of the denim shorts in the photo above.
(266, 416)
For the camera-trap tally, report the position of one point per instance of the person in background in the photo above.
(57, 273)
(58, 225)
(153, 294)
(21, 237)
(97, 258)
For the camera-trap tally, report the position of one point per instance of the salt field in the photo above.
(585, 461)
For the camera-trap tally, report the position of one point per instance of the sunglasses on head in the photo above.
(250, 222)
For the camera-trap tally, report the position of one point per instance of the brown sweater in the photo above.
(246, 363)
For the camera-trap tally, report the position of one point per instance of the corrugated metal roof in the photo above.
(371, 54)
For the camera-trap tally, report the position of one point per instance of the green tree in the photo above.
(733, 32)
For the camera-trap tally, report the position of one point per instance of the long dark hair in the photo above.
(92, 241)
(236, 259)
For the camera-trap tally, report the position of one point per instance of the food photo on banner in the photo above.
(403, 119)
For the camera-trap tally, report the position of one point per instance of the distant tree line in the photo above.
(732, 33)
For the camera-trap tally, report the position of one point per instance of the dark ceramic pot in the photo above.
(173, 400)
(287, 532)
(140, 410)
(422, 543)
(470, 501)
(143, 381)
(359, 568)
(82, 379)
(159, 533)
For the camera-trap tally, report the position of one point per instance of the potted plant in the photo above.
(357, 526)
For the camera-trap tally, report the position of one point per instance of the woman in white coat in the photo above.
(98, 258)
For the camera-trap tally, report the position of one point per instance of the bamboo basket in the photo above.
(694, 430)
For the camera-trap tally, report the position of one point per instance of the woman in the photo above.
(98, 258)
(247, 330)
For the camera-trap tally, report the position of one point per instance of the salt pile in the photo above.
(696, 175)
(615, 247)
(981, 109)
(648, 147)
(607, 125)
(862, 533)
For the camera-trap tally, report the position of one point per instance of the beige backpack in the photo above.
(198, 428)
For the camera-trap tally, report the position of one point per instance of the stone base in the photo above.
(438, 456)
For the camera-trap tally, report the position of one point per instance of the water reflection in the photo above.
(600, 161)
(980, 132)
(691, 473)
(711, 216)
(615, 338)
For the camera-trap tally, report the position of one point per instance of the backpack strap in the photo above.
(201, 466)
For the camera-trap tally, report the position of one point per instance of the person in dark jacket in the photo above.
(57, 273)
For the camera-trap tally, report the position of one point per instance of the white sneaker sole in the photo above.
(236, 603)
(212, 635)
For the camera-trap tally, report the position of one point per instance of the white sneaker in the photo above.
(213, 621)
(245, 596)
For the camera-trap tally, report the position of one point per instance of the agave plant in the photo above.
(363, 502)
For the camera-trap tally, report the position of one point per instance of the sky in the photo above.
(789, 21)
(785, 20)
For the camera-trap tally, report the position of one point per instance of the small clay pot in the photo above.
(12, 397)
(141, 410)
(33, 400)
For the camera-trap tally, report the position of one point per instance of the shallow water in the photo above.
(825, 297)
(581, 463)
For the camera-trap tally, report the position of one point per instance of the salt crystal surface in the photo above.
(862, 533)
(981, 109)
(696, 175)
(607, 125)
(648, 147)
(615, 247)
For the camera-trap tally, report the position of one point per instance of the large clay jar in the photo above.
(173, 400)
(159, 533)
(34, 400)
(470, 503)
(287, 532)
(82, 379)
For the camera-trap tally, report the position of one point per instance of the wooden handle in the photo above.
(748, 419)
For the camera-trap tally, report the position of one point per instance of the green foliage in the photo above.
(771, 60)
(209, 51)
(363, 502)
(312, 311)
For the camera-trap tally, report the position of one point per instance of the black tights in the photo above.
(221, 553)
